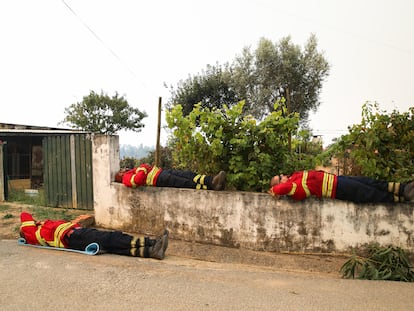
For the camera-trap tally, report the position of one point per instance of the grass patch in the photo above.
(8, 216)
(42, 213)
(4, 208)
(21, 197)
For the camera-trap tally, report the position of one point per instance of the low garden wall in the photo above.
(243, 219)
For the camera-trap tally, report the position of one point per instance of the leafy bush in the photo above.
(381, 146)
(165, 160)
(251, 152)
(381, 263)
(128, 163)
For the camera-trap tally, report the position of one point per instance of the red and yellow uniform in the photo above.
(144, 175)
(301, 185)
(46, 233)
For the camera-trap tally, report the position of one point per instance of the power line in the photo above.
(104, 44)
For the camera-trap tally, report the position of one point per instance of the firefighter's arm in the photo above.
(281, 189)
(273, 194)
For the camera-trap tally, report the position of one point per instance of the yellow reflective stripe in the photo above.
(304, 185)
(134, 242)
(199, 180)
(141, 241)
(39, 238)
(141, 246)
(292, 191)
(27, 223)
(58, 234)
(394, 187)
(196, 178)
(133, 246)
(391, 187)
(141, 169)
(327, 185)
(202, 179)
(132, 181)
(151, 176)
(397, 188)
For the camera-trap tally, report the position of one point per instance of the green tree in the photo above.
(165, 158)
(381, 146)
(210, 88)
(99, 113)
(210, 140)
(305, 151)
(128, 163)
(260, 78)
(282, 69)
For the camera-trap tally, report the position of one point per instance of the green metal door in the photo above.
(4, 191)
(67, 175)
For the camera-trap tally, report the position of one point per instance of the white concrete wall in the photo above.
(105, 163)
(2, 195)
(244, 219)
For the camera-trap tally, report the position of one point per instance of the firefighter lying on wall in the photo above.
(147, 175)
(303, 184)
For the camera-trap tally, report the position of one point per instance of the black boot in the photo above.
(219, 181)
(157, 251)
(166, 233)
(409, 191)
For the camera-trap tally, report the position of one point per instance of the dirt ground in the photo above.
(315, 263)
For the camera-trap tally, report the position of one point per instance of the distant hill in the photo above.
(129, 151)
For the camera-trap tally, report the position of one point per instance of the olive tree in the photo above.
(99, 113)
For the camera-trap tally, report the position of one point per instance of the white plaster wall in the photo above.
(351, 224)
(105, 162)
(243, 219)
(2, 195)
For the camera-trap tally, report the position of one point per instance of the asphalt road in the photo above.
(38, 279)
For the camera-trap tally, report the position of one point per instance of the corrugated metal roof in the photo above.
(41, 131)
(8, 128)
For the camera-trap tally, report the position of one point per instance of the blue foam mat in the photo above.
(91, 249)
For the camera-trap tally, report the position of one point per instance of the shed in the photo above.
(55, 160)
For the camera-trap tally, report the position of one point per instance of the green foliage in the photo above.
(260, 78)
(211, 88)
(165, 159)
(7, 216)
(17, 195)
(128, 163)
(382, 263)
(103, 114)
(283, 69)
(251, 152)
(305, 151)
(381, 146)
(43, 213)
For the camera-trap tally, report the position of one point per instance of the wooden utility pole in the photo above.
(157, 146)
(288, 111)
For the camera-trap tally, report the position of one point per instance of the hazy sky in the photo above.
(55, 52)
